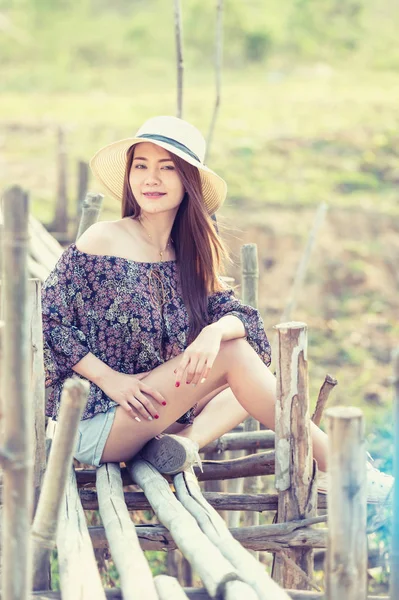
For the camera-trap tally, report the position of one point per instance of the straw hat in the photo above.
(176, 136)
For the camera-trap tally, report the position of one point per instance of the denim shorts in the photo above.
(92, 436)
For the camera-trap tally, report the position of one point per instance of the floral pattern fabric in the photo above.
(104, 305)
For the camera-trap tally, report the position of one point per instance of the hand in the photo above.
(198, 358)
(128, 391)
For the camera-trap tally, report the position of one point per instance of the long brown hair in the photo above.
(200, 253)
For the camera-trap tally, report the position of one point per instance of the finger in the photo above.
(206, 372)
(192, 368)
(142, 411)
(154, 393)
(149, 407)
(199, 371)
(132, 413)
(181, 370)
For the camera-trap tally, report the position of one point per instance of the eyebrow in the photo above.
(161, 160)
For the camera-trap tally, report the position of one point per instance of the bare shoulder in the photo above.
(98, 238)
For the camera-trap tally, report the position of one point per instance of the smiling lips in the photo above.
(154, 194)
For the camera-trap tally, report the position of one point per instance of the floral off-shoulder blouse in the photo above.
(104, 305)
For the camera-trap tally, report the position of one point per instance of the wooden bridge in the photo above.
(45, 496)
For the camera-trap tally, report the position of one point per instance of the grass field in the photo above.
(309, 136)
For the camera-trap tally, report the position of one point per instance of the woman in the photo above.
(137, 307)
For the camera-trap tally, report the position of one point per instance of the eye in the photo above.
(138, 166)
(169, 167)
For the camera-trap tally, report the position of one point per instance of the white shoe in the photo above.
(171, 454)
(379, 485)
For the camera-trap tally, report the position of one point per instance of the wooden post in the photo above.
(134, 571)
(294, 460)
(17, 451)
(60, 222)
(37, 387)
(346, 564)
(394, 584)
(44, 529)
(179, 57)
(83, 178)
(250, 279)
(90, 210)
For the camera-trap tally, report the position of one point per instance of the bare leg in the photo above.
(223, 412)
(237, 365)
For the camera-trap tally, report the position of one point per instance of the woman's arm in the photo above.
(93, 369)
(230, 327)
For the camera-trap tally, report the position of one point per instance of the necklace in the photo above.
(161, 252)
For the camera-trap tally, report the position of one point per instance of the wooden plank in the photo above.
(157, 537)
(44, 528)
(219, 577)
(132, 566)
(17, 451)
(295, 468)
(256, 464)
(230, 502)
(214, 527)
(346, 565)
(79, 575)
(169, 588)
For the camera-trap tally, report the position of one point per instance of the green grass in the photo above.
(296, 141)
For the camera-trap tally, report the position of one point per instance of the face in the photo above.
(154, 180)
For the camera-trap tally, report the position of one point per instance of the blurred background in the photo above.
(309, 113)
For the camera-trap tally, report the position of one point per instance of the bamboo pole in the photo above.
(241, 440)
(256, 464)
(79, 575)
(16, 454)
(90, 210)
(60, 222)
(44, 529)
(261, 538)
(135, 575)
(295, 468)
(247, 565)
(37, 387)
(394, 584)
(217, 574)
(179, 56)
(250, 280)
(230, 502)
(218, 73)
(168, 588)
(346, 564)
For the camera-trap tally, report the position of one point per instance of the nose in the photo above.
(151, 177)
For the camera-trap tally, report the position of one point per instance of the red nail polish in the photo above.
(156, 416)
(163, 403)
(177, 384)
